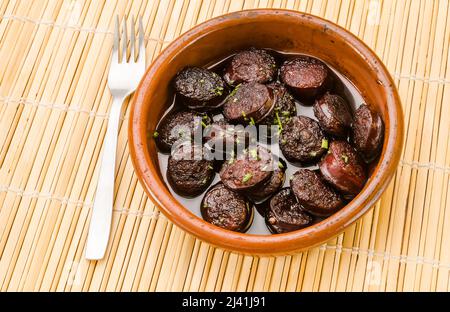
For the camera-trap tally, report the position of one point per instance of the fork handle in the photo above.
(100, 226)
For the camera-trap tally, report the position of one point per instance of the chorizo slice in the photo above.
(249, 103)
(271, 186)
(333, 114)
(188, 172)
(285, 214)
(314, 194)
(306, 76)
(226, 209)
(224, 138)
(248, 170)
(302, 140)
(177, 127)
(343, 168)
(200, 88)
(367, 132)
(253, 65)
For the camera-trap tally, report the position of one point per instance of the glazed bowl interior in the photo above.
(284, 31)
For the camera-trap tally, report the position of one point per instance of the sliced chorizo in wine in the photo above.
(302, 140)
(224, 138)
(368, 132)
(226, 209)
(188, 172)
(271, 186)
(333, 114)
(343, 168)
(306, 76)
(249, 103)
(254, 65)
(178, 126)
(285, 214)
(314, 194)
(200, 88)
(248, 170)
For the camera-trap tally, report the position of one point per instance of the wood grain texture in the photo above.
(54, 104)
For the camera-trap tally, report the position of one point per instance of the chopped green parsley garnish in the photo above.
(246, 177)
(235, 90)
(345, 158)
(280, 165)
(280, 126)
(218, 90)
(325, 143)
(155, 134)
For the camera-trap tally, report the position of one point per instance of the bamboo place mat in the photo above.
(54, 101)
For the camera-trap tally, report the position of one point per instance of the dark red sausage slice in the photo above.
(285, 214)
(248, 103)
(306, 76)
(271, 186)
(223, 138)
(302, 140)
(343, 168)
(284, 108)
(178, 126)
(226, 209)
(188, 173)
(368, 132)
(200, 88)
(333, 114)
(249, 170)
(254, 65)
(314, 194)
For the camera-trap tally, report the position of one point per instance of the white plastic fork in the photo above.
(124, 76)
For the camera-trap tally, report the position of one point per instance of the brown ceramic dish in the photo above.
(280, 30)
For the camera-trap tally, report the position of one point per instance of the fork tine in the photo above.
(141, 57)
(115, 52)
(132, 41)
(124, 40)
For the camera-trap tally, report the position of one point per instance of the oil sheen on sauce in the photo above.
(342, 86)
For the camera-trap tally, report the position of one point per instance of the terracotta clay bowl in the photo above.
(281, 30)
